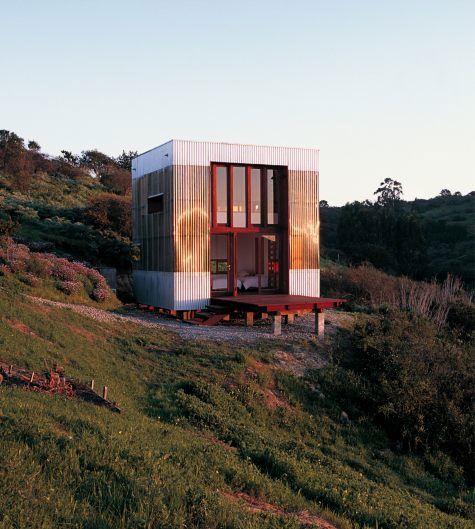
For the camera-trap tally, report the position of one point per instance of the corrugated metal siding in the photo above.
(174, 268)
(155, 288)
(153, 160)
(192, 290)
(303, 220)
(203, 153)
(191, 212)
(154, 232)
(304, 282)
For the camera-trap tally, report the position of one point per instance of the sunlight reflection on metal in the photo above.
(191, 241)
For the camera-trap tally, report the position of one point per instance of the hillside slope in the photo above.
(212, 435)
(447, 226)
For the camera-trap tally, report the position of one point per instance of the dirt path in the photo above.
(302, 328)
(260, 506)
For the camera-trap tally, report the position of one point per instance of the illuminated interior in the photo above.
(248, 228)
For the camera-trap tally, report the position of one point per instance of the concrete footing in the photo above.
(277, 324)
(320, 324)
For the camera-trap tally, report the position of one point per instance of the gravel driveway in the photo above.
(303, 326)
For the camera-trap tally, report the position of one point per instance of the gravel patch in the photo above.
(303, 326)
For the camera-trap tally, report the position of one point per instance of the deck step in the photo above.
(216, 308)
(207, 319)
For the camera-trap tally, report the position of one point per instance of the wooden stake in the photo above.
(105, 390)
(32, 377)
(92, 384)
(249, 319)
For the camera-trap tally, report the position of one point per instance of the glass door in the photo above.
(268, 258)
(222, 269)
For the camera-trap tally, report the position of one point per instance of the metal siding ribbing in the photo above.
(303, 220)
(154, 232)
(174, 267)
(191, 208)
(153, 160)
(203, 153)
(304, 282)
(191, 236)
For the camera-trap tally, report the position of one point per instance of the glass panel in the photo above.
(222, 195)
(247, 263)
(270, 252)
(256, 196)
(272, 197)
(219, 262)
(239, 197)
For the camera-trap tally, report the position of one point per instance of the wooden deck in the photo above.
(275, 303)
(278, 306)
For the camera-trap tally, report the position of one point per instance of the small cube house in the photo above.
(221, 219)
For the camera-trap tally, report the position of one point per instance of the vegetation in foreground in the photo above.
(203, 421)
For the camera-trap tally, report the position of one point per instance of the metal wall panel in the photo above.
(153, 232)
(304, 222)
(152, 160)
(155, 288)
(203, 153)
(191, 218)
(192, 290)
(304, 282)
(174, 268)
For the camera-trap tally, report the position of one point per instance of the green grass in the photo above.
(194, 426)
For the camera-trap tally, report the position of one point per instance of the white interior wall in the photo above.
(246, 250)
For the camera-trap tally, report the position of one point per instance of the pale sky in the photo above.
(383, 88)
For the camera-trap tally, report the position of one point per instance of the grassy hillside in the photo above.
(207, 428)
(54, 214)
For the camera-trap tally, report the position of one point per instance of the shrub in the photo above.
(367, 286)
(100, 294)
(70, 287)
(64, 270)
(421, 386)
(31, 267)
(29, 279)
(109, 212)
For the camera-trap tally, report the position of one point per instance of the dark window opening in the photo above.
(155, 204)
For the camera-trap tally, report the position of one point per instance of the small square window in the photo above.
(155, 204)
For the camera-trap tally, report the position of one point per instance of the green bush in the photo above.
(421, 386)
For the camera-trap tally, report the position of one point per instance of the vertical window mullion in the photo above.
(214, 204)
(230, 195)
(264, 196)
(248, 196)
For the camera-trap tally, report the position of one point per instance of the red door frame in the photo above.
(281, 230)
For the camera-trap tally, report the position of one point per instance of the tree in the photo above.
(69, 157)
(112, 175)
(95, 161)
(11, 146)
(323, 204)
(445, 193)
(116, 179)
(109, 212)
(389, 192)
(15, 159)
(34, 146)
(389, 238)
(124, 160)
